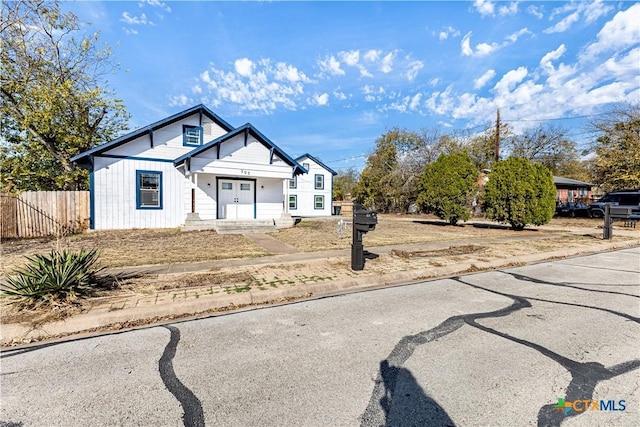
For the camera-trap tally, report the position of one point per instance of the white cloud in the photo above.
(179, 101)
(578, 11)
(448, 32)
(156, 3)
(414, 67)
(289, 72)
(244, 67)
(484, 7)
(554, 55)
(484, 79)
(515, 36)
(510, 80)
(255, 86)
(484, 49)
(536, 11)
(510, 9)
(465, 45)
(321, 100)
(372, 55)
(196, 89)
(338, 94)
(350, 58)
(415, 101)
(130, 31)
(386, 65)
(621, 32)
(135, 20)
(331, 66)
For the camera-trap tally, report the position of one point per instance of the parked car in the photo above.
(573, 210)
(628, 198)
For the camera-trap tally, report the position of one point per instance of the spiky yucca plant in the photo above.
(59, 277)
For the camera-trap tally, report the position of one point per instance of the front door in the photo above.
(236, 199)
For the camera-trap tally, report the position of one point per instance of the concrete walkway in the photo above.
(291, 275)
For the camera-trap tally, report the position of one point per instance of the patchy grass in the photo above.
(139, 247)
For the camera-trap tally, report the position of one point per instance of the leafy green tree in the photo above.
(52, 103)
(343, 183)
(448, 186)
(617, 148)
(376, 179)
(482, 148)
(519, 192)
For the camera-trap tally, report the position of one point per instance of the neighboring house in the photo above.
(190, 166)
(570, 190)
(310, 194)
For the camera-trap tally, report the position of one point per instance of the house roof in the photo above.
(202, 109)
(559, 180)
(248, 127)
(309, 156)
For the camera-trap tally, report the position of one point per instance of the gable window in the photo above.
(319, 182)
(293, 183)
(306, 166)
(293, 202)
(191, 135)
(318, 202)
(148, 189)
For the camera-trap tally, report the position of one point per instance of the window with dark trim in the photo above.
(148, 189)
(293, 202)
(319, 182)
(293, 183)
(191, 135)
(306, 166)
(318, 202)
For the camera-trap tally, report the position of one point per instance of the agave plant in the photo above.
(60, 276)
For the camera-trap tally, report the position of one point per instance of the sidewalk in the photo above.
(290, 275)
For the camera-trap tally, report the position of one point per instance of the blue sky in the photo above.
(328, 78)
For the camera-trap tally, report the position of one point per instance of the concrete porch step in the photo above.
(228, 226)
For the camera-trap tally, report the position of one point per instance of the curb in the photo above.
(104, 319)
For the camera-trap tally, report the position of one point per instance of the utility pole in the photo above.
(498, 135)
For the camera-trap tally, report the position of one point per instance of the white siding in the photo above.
(167, 141)
(114, 193)
(269, 198)
(306, 191)
(235, 159)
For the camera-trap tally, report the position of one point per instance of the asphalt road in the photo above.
(496, 348)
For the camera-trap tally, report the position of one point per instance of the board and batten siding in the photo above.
(167, 141)
(306, 191)
(114, 199)
(252, 161)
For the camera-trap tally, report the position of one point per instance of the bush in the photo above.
(519, 193)
(60, 277)
(448, 186)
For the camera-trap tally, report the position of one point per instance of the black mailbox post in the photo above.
(363, 222)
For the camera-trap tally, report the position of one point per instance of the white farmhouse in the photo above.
(310, 193)
(195, 170)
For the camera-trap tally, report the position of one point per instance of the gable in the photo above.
(160, 140)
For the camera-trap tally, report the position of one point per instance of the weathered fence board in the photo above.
(43, 213)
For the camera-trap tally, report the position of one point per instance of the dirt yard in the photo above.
(148, 247)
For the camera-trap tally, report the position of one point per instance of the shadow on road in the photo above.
(405, 403)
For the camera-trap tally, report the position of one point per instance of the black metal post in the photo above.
(607, 229)
(357, 249)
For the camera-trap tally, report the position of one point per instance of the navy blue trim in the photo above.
(314, 202)
(309, 156)
(315, 181)
(140, 172)
(154, 126)
(151, 137)
(149, 159)
(289, 202)
(92, 201)
(257, 135)
(184, 135)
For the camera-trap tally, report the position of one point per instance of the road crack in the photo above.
(193, 415)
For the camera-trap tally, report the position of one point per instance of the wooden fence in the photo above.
(43, 213)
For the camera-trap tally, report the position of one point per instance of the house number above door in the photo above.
(245, 172)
